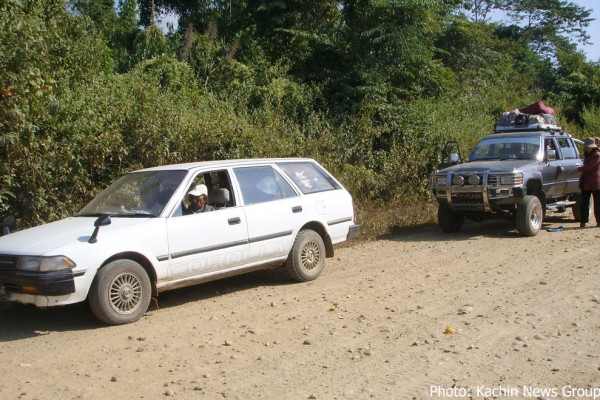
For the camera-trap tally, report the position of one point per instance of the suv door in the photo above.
(571, 161)
(553, 170)
(208, 242)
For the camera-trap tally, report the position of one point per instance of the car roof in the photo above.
(223, 163)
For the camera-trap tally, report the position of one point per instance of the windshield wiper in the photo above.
(137, 213)
(483, 159)
(94, 214)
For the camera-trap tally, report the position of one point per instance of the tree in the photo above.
(118, 26)
(545, 25)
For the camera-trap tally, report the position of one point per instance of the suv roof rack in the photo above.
(527, 128)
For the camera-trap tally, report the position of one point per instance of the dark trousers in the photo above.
(585, 205)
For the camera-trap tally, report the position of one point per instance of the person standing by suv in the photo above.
(589, 181)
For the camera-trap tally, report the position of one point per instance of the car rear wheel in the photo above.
(530, 215)
(307, 257)
(120, 293)
(448, 220)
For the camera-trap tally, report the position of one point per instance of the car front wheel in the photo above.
(530, 216)
(307, 258)
(120, 293)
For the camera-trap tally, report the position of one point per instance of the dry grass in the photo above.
(377, 219)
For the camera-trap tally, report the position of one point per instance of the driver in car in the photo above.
(198, 201)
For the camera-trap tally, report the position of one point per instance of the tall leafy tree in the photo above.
(547, 23)
(117, 23)
(45, 54)
(389, 45)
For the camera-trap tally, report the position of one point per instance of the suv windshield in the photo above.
(142, 194)
(507, 147)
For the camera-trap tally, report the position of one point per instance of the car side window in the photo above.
(286, 189)
(218, 191)
(262, 184)
(567, 149)
(308, 178)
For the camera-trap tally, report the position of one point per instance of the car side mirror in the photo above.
(551, 155)
(7, 223)
(100, 221)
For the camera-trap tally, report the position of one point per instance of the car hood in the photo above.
(491, 165)
(44, 239)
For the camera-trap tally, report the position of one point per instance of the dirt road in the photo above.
(525, 311)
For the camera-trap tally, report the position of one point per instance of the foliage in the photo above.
(370, 88)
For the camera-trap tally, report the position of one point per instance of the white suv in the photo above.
(137, 239)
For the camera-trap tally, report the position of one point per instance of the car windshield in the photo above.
(507, 147)
(139, 194)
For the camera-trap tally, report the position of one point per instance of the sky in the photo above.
(592, 51)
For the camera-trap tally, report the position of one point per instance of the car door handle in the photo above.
(297, 209)
(234, 221)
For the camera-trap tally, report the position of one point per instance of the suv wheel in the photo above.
(448, 220)
(530, 215)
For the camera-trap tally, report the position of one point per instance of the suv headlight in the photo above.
(44, 264)
(510, 179)
(440, 180)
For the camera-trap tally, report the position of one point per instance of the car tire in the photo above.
(530, 216)
(307, 257)
(120, 293)
(449, 221)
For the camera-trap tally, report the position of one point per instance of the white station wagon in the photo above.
(139, 237)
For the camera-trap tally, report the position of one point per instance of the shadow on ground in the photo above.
(22, 321)
(493, 228)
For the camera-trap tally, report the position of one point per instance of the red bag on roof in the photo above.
(537, 108)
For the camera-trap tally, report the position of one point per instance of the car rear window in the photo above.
(308, 177)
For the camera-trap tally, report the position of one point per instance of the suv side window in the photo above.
(550, 144)
(567, 148)
(262, 184)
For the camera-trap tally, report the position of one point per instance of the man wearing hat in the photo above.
(589, 181)
(198, 200)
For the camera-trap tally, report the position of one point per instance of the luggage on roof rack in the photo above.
(533, 117)
(538, 108)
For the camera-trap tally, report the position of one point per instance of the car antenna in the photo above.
(100, 221)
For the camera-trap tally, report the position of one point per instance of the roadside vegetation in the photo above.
(372, 89)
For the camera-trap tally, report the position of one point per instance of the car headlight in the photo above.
(44, 264)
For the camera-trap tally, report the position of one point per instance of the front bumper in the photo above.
(52, 283)
(479, 192)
